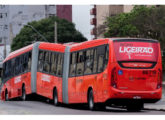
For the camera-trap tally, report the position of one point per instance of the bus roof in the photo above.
(19, 52)
(134, 39)
(52, 47)
(87, 44)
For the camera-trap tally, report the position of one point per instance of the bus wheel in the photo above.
(55, 98)
(135, 107)
(23, 97)
(91, 100)
(6, 96)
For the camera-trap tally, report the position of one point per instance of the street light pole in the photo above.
(37, 32)
(55, 32)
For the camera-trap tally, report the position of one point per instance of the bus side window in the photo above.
(80, 63)
(20, 65)
(25, 62)
(17, 66)
(95, 61)
(29, 61)
(106, 56)
(4, 71)
(40, 61)
(101, 52)
(53, 63)
(88, 61)
(46, 62)
(72, 64)
(62, 59)
(13, 67)
(9, 68)
(59, 65)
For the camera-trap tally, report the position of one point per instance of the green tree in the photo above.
(66, 32)
(141, 22)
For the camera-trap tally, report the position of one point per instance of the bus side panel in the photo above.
(46, 84)
(102, 97)
(79, 89)
(28, 83)
(72, 89)
(39, 84)
(100, 87)
(88, 81)
(8, 87)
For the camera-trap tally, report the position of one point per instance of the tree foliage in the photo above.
(66, 32)
(141, 22)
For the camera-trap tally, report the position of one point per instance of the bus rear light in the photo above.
(159, 84)
(114, 78)
(137, 65)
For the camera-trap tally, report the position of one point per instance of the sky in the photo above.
(81, 18)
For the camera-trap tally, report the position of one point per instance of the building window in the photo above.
(20, 12)
(5, 26)
(1, 16)
(2, 6)
(0, 39)
(50, 15)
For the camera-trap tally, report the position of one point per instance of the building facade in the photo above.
(14, 17)
(4, 32)
(99, 13)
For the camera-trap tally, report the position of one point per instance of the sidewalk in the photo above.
(160, 105)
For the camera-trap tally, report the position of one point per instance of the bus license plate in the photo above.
(137, 97)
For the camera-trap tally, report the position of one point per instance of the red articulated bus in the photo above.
(119, 71)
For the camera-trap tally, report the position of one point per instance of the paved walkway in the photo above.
(156, 106)
(159, 105)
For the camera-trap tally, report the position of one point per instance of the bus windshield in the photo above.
(136, 50)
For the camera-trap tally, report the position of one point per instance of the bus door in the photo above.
(102, 58)
(90, 76)
(79, 75)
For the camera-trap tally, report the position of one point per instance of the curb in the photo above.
(154, 109)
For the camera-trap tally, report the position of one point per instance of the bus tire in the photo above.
(135, 107)
(6, 95)
(91, 104)
(55, 98)
(23, 96)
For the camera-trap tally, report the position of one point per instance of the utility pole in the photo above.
(11, 33)
(55, 32)
(4, 48)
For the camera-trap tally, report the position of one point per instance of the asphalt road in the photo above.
(31, 107)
